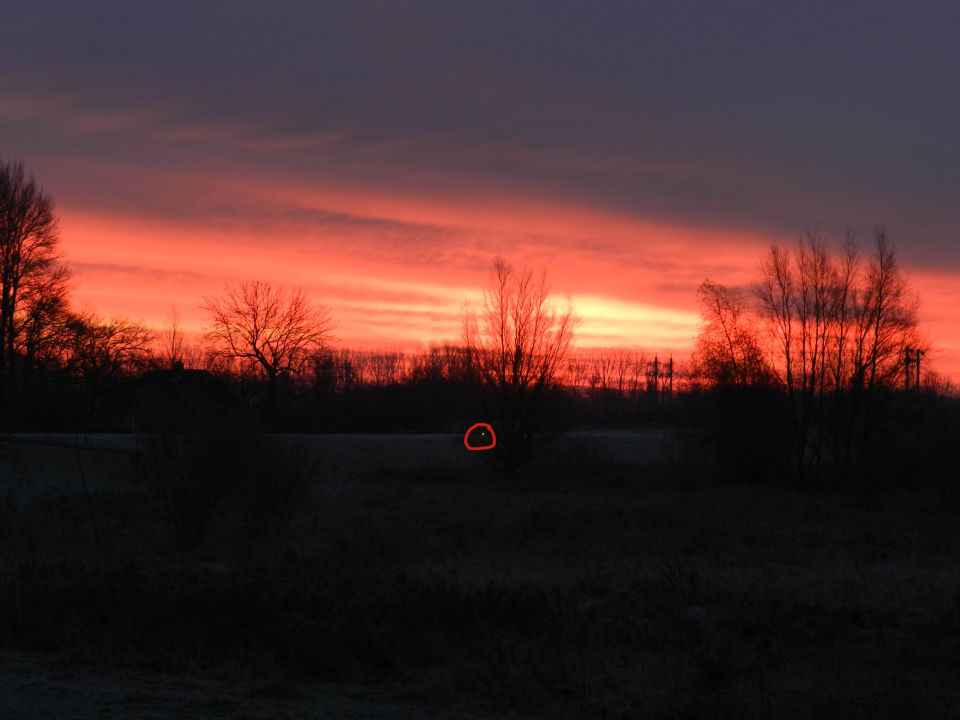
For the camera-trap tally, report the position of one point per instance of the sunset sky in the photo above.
(381, 155)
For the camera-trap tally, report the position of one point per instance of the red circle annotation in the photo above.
(493, 437)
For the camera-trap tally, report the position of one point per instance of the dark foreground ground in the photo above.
(418, 583)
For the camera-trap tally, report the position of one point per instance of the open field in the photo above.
(411, 580)
(30, 461)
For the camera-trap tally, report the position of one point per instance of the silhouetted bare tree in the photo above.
(838, 334)
(172, 341)
(43, 323)
(100, 349)
(273, 330)
(520, 346)
(728, 350)
(32, 281)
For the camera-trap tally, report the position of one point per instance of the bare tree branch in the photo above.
(271, 329)
(520, 345)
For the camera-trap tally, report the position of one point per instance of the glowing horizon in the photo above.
(141, 267)
(385, 301)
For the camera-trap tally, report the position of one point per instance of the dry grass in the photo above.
(592, 588)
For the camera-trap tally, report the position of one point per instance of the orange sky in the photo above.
(395, 270)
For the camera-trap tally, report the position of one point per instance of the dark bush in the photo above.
(274, 484)
(188, 473)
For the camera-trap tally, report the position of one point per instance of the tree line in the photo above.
(43, 339)
(824, 348)
(807, 363)
(53, 355)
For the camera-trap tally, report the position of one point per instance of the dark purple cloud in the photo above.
(758, 116)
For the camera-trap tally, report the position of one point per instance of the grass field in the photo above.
(602, 583)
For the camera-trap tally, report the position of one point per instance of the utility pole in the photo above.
(656, 378)
(911, 357)
(670, 374)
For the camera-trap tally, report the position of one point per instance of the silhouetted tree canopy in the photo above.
(832, 331)
(273, 330)
(33, 283)
(519, 346)
(728, 350)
